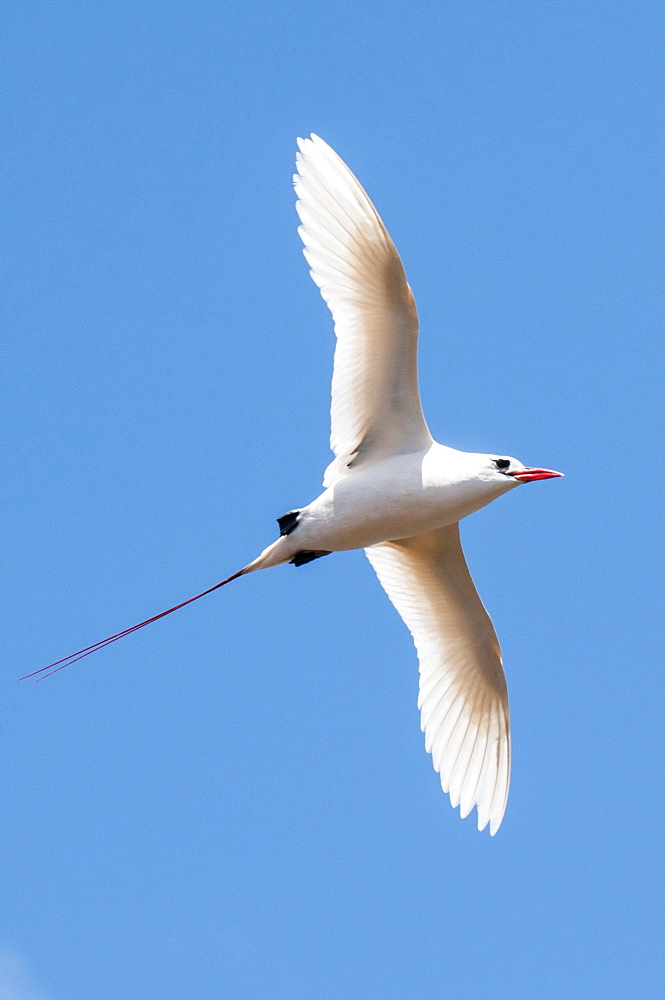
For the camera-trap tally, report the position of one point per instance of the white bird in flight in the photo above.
(393, 491)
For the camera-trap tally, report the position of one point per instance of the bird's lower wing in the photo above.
(375, 409)
(463, 698)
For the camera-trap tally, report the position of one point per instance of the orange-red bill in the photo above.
(529, 475)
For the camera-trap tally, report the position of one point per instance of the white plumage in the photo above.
(394, 491)
(376, 415)
(463, 699)
(375, 399)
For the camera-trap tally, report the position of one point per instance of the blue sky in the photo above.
(236, 801)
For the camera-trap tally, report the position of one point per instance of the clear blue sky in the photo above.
(236, 802)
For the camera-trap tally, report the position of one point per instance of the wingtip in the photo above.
(494, 826)
(496, 818)
(465, 808)
(312, 144)
(310, 140)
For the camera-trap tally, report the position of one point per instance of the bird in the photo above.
(393, 491)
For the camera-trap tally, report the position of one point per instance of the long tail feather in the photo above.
(66, 661)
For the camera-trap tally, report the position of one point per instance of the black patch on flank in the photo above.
(306, 555)
(288, 522)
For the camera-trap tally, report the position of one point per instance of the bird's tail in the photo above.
(272, 556)
(279, 552)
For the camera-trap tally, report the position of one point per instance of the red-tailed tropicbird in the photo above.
(393, 491)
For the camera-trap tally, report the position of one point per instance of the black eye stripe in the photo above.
(502, 464)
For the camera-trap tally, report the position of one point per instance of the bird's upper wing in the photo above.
(376, 409)
(463, 698)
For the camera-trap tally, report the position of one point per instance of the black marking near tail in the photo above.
(306, 555)
(288, 522)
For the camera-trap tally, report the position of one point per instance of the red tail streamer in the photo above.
(66, 661)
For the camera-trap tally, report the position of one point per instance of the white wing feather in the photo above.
(375, 409)
(463, 698)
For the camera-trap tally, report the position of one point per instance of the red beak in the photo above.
(529, 475)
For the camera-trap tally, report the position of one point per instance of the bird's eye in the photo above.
(502, 464)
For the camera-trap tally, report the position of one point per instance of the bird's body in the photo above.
(393, 498)
(393, 491)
